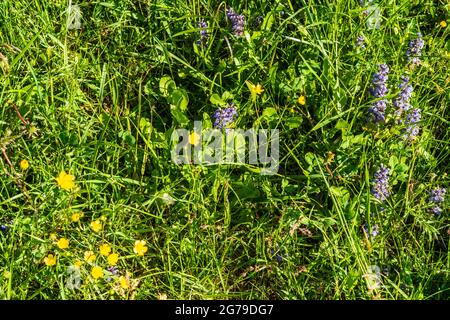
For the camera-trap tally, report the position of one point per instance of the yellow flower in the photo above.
(140, 248)
(105, 249)
(50, 260)
(258, 89)
(24, 165)
(162, 296)
(97, 272)
(123, 281)
(96, 225)
(113, 258)
(89, 256)
(194, 138)
(78, 264)
(53, 236)
(77, 216)
(63, 243)
(301, 100)
(443, 24)
(66, 181)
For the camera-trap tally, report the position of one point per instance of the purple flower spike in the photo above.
(411, 131)
(360, 41)
(436, 210)
(379, 90)
(437, 195)
(203, 32)
(237, 20)
(414, 51)
(224, 116)
(374, 232)
(380, 189)
(401, 102)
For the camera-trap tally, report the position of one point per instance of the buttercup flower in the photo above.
(140, 247)
(76, 216)
(105, 249)
(97, 272)
(50, 260)
(124, 283)
(194, 138)
(63, 243)
(66, 181)
(443, 24)
(96, 225)
(113, 258)
(257, 89)
(78, 264)
(24, 165)
(89, 256)
(301, 100)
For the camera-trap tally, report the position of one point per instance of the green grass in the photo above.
(93, 104)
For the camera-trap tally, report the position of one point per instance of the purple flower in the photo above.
(360, 41)
(113, 271)
(224, 116)
(238, 22)
(379, 90)
(203, 32)
(411, 131)
(380, 189)
(374, 232)
(3, 228)
(414, 51)
(401, 102)
(437, 195)
(436, 210)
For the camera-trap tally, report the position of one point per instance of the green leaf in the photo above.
(227, 96)
(179, 116)
(294, 122)
(341, 124)
(179, 98)
(269, 113)
(207, 124)
(144, 125)
(342, 195)
(268, 21)
(166, 85)
(127, 137)
(217, 100)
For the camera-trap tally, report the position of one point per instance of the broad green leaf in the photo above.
(216, 100)
(166, 85)
(179, 98)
